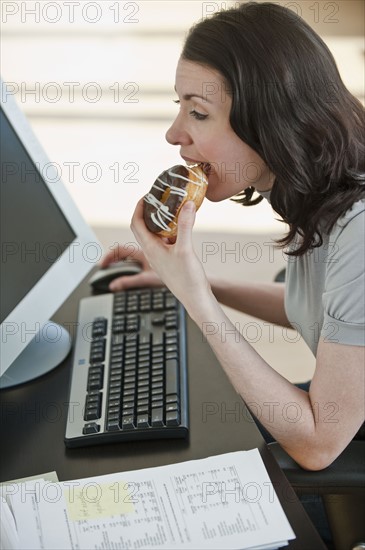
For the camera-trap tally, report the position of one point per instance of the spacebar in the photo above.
(172, 376)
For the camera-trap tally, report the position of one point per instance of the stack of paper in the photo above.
(221, 502)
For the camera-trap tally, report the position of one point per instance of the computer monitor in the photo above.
(46, 251)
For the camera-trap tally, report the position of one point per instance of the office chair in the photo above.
(341, 486)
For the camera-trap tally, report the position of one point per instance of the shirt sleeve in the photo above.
(344, 293)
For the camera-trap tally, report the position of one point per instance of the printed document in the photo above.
(221, 502)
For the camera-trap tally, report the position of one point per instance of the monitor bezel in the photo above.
(18, 329)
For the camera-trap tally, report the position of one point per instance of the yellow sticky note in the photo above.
(94, 500)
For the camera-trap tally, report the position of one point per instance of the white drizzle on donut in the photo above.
(163, 217)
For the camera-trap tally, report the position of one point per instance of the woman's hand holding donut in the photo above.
(147, 277)
(176, 263)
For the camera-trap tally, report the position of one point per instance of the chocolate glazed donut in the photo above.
(170, 191)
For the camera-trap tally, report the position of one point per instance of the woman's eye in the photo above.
(197, 116)
(193, 112)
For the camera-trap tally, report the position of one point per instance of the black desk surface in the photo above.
(33, 420)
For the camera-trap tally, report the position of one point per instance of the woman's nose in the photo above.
(177, 135)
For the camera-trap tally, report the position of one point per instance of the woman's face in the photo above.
(204, 134)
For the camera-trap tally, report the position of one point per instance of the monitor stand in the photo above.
(44, 352)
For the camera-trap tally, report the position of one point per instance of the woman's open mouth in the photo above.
(207, 168)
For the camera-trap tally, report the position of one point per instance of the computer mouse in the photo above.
(100, 280)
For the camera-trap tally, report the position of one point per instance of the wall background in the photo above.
(96, 80)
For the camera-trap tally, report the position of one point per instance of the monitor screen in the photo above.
(34, 232)
(46, 250)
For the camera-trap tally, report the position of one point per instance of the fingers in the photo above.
(109, 257)
(143, 279)
(143, 236)
(120, 252)
(185, 222)
(137, 221)
(147, 239)
(137, 218)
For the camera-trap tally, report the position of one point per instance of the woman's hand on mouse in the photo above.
(146, 278)
(175, 261)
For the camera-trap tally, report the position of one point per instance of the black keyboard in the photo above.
(129, 375)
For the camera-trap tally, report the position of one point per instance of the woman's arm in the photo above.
(312, 427)
(265, 300)
(262, 300)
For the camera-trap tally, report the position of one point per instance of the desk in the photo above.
(33, 419)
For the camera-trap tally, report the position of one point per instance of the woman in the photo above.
(257, 87)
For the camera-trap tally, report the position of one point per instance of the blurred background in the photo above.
(96, 81)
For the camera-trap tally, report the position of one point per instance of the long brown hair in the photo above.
(290, 105)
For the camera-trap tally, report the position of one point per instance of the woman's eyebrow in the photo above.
(187, 97)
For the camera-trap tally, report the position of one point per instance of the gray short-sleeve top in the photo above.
(325, 288)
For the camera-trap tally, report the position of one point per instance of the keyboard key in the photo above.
(171, 338)
(157, 372)
(156, 404)
(157, 396)
(127, 422)
(158, 338)
(113, 417)
(158, 320)
(113, 426)
(143, 370)
(96, 383)
(91, 414)
(172, 418)
(142, 421)
(157, 417)
(170, 302)
(172, 355)
(116, 378)
(172, 373)
(144, 339)
(142, 394)
(171, 347)
(172, 398)
(91, 428)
